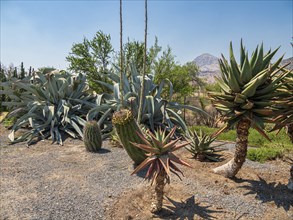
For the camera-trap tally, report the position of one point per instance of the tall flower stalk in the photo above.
(121, 56)
(144, 64)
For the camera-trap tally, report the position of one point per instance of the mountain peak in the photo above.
(205, 59)
(208, 66)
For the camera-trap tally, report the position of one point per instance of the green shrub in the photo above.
(280, 143)
(254, 139)
(265, 153)
(225, 136)
(8, 122)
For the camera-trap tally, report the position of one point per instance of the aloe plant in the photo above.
(284, 114)
(284, 106)
(161, 161)
(248, 92)
(56, 103)
(200, 146)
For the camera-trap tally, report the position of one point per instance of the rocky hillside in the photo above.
(288, 60)
(208, 66)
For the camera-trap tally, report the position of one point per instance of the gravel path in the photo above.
(48, 181)
(62, 182)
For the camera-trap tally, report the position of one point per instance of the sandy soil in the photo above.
(48, 181)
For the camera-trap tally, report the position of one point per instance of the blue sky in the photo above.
(41, 33)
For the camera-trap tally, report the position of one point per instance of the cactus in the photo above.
(127, 129)
(92, 136)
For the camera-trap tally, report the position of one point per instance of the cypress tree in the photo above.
(22, 71)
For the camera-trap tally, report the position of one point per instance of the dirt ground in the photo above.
(48, 181)
(256, 193)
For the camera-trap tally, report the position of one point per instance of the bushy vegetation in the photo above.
(264, 149)
(255, 140)
(53, 103)
(97, 59)
(265, 153)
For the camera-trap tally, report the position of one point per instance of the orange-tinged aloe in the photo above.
(161, 161)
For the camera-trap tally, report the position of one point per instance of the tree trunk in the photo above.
(290, 184)
(231, 168)
(160, 184)
(290, 132)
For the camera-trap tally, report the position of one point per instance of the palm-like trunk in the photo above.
(160, 184)
(231, 168)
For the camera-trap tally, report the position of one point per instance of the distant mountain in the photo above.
(208, 66)
(288, 60)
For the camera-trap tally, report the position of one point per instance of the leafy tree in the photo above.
(193, 72)
(183, 77)
(164, 64)
(92, 57)
(213, 87)
(134, 55)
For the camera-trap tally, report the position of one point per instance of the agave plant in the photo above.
(248, 91)
(57, 102)
(200, 146)
(161, 161)
(156, 111)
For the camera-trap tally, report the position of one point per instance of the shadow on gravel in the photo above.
(103, 151)
(142, 172)
(269, 192)
(186, 210)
